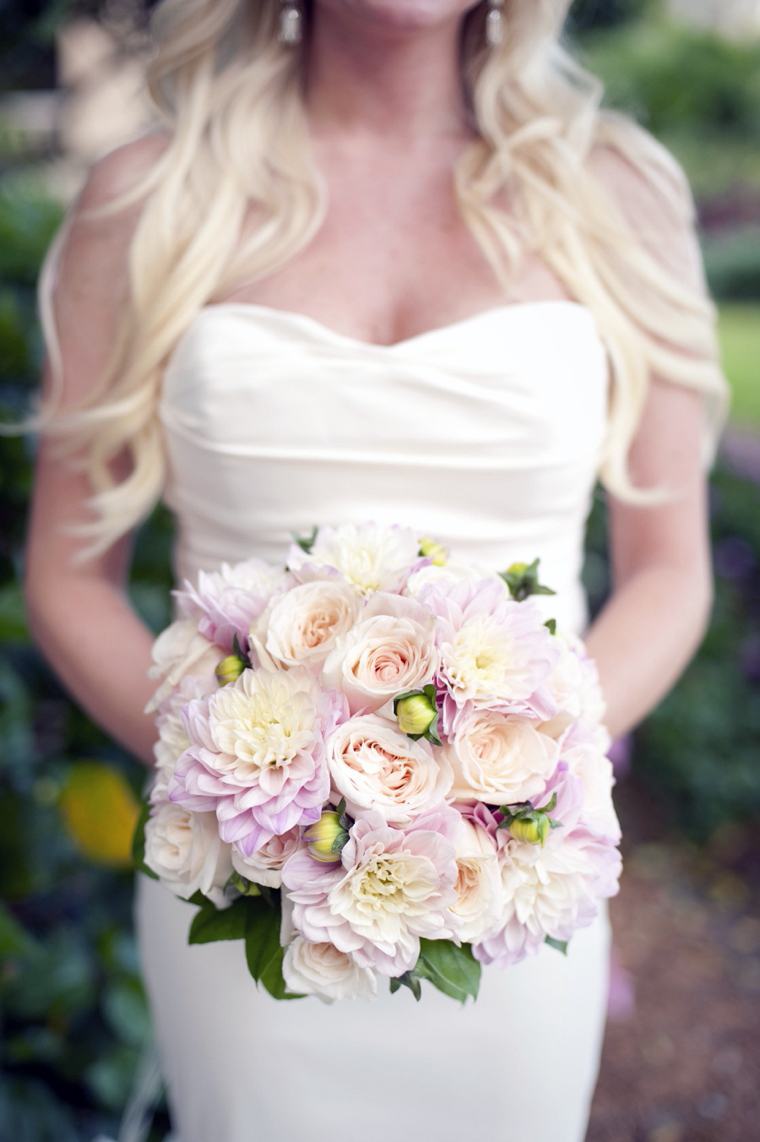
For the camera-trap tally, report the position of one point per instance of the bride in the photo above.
(377, 259)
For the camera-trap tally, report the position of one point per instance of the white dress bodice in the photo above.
(484, 433)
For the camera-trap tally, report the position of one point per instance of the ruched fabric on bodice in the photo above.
(485, 433)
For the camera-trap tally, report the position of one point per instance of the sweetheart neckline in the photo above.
(313, 323)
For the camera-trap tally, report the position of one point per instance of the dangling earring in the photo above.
(290, 22)
(495, 23)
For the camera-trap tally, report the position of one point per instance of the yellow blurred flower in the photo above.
(100, 812)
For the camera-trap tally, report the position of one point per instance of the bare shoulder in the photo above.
(117, 171)
(90, 284)
(94, 254)
(651, 189)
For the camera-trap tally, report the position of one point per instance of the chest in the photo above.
(394, 256)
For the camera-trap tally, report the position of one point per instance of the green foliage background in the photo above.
(72, 1008)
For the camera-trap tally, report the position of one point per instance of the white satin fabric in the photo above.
(486, 434)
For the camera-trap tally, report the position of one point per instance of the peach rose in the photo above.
(500, 758)
(302, 625)
(390, 649)
(322, 970)
(375, 766)
(185, 851)
(263, 866)
(479, 890)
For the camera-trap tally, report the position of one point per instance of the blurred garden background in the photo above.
(682, 1052)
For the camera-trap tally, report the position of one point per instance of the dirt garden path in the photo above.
(683, 1065)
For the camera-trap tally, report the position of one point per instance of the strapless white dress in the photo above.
(485, 433)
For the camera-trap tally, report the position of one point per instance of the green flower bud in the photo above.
(416, 713)
(242, 885)
(522, 580)
(326, 837)
(535, 829)
(431, 547)
(229, 668)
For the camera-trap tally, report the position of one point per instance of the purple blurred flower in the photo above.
(734, 558)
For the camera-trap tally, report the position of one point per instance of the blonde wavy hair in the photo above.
(231, 96)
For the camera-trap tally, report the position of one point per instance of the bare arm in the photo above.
(655, 619)
(653, 623)
(80, 616)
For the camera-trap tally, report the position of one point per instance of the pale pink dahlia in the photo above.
(494, 651)
(370, 555)
(225, 602)
(548, 890)
(257, 755)
(392, 886)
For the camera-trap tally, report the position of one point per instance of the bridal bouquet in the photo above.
(375, 766)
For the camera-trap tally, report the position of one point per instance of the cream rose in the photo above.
(302, 625)
(390, 649)
(375, 766)
(479, 889)
(263, 866)
(185, 851)
(179, 651)
(321, 969)
(499, 758)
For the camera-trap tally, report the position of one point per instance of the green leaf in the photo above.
(123, 1005)
(560, 945)
(211, 923)
(237, 649)
(432, 734)
(305, 542)
(263, 951)
(408, 979)
(13, 626)
(197, 898)
(138, 842)
(14, 939)
(451, 968)
(270, 896)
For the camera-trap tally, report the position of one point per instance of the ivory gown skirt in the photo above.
(521, 1062)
